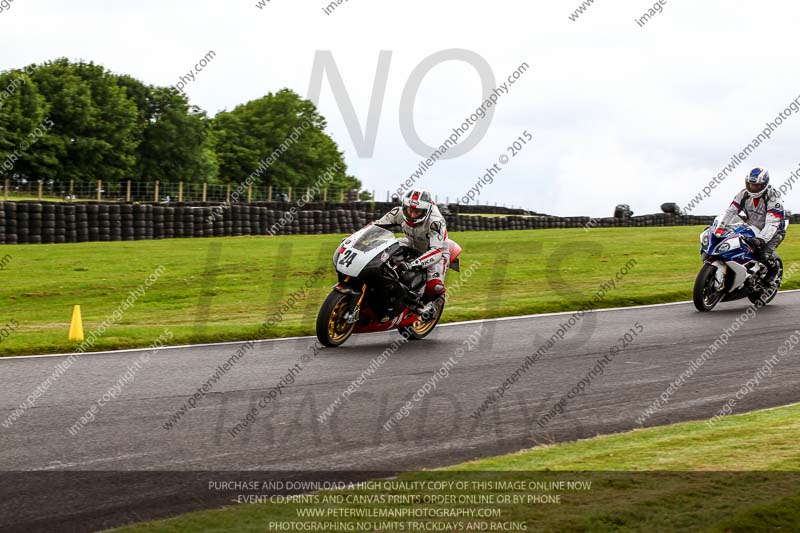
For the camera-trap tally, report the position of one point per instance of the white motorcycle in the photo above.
(373, 294)
(731, 270)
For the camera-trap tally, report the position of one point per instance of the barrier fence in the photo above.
(156, 191)
(51, 222)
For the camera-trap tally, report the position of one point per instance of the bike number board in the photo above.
(356, 252)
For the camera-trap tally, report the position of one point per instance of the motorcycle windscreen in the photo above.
(357, 251)
(372, 238)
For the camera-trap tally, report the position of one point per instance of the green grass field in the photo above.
(32, 198)
(203, 299)
(742, 475)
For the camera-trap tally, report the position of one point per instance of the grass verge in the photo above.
(743, 474)
(222, 289)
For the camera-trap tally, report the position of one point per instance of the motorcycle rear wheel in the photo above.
(705, 295)
(770, 293)
(333, 330)
(419, 330)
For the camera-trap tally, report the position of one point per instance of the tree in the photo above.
(115, 127)
(95, 126)
(22, 111)
(281, 136)
(174, 143)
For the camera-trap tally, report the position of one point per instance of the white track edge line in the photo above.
(287, 339)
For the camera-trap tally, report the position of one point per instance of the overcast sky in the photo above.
(619, 113)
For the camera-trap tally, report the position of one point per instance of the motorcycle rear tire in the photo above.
(755, 297)
(420, 330)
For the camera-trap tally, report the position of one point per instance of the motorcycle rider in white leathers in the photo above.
(764, 213)
(425, 232)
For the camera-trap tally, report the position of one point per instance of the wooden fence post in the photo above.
(99, 190)
(128, 192)
(41, 185)
(205, 191)
(5, 189)
(180, 191)
(228, 194)
(249, 193)
(290, 194)
(155, 192)
(269, 194)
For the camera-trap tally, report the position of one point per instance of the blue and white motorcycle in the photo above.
(731, 270)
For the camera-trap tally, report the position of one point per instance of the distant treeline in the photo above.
(63, 120)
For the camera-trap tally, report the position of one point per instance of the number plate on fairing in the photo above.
(357, 252)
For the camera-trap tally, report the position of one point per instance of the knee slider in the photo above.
(434, 287)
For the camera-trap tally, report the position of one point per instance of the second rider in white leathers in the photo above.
(763, 211)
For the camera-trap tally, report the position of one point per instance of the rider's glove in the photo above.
(405, 267)
(755, 242)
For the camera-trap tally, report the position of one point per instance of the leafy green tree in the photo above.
(94, 120)
(102, 125)
(174, 143)
(282, 138)
(22, 111)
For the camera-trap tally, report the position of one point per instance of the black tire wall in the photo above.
(48, 222)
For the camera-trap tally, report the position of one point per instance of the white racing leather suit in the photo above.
(429, 239)
(765, 215)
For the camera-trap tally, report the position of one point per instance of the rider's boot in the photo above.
(429, 311)
(773, 268)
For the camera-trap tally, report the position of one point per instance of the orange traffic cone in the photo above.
(76, 327)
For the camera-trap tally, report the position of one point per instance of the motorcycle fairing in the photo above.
(357, 251)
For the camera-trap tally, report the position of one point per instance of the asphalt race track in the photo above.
(128, 433)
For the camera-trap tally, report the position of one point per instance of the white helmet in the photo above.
(757, 182)
(417, 206)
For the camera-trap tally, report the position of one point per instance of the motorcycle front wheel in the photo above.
(706, 294)
(333, 329)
